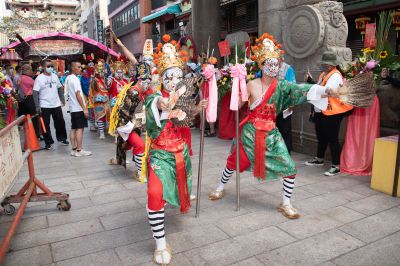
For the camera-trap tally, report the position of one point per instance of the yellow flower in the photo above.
(225, 79)
(363, 60)
(383, 54)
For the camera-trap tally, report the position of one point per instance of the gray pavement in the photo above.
(343, 221)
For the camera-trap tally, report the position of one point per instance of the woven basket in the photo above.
(359, 91)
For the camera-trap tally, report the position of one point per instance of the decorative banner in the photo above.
(100, 31)
(55, 47)
(10, 160)
(247, 48)
(370, 35)
(224, 48)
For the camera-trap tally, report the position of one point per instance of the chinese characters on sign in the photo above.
(224, 48)
(56, 47)
(100, 31)
(10, 160)
(370, 38)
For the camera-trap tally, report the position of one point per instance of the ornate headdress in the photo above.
(266, 47)
(169, 55)
(148, 50)
(119, 64)
(143, 71)
(100, 67)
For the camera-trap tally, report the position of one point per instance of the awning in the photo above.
(174, 9)
(10, 55)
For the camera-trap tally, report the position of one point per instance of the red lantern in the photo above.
(361, 24)
(396, 21)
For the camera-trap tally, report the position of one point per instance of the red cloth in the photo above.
(136, 143)
(155, 199)
(187, 137)
(358, 149)
(226, 123)
(116, 86)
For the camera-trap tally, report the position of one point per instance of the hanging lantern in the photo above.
(396, 21)
(361, 24)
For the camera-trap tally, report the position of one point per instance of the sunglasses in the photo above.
(49, 65)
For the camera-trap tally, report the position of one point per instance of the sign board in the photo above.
(370, 35)
(10, 160)
(100, 31)
(224, 48)
(55, 47)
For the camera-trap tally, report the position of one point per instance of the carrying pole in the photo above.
(200, 171)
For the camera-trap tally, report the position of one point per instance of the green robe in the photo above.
(278, 162)
(163, 162)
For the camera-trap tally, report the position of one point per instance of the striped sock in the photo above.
(100, 125)
(138, 162)
(288, 185)
(226, 175)
(156, 220)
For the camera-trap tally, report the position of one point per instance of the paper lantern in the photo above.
(361, 24)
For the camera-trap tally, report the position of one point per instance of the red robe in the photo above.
(116, 87)
(226, 123)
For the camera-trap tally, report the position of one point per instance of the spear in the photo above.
(237, 147)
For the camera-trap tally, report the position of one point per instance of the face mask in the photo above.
(49, 70)
(4, 72)
(11, 71)
(101, 75)
(40, 69)
(118, 75)
(146, 83)
(271, 67)
(171, 78)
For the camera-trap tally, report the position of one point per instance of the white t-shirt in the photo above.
(73, 85)
(334, 81)
(47, 86)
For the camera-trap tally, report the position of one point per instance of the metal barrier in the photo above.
(29, 191)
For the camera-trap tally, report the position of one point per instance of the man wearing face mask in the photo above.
(48, 94)
(169, 164)
(117, 81)
(99, 98)
(327, 123)
(125, 121)
(262, 148)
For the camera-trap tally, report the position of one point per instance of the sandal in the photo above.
(210, 134)
(160, 253)
(216, 195)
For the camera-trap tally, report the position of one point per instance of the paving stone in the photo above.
(100, 241)
(106, 258)
(363, 189)
(382, 252)
(313, 250)
(39, 255)
(333, 184)
(224, 252)
(313, 224)
(264, 239)
(177, 260)
(137, 253)
(298, 194)
(112, 197)
(93, 191)
(92, 212)
(322, 202)
(26, 225)
(374, 204)
(253, 261)
(375, 227)
(55, 233)
(122, 219)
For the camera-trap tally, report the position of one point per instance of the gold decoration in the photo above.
(266, 47)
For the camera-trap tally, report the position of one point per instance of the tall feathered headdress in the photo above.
(266, 47)
(169, 55)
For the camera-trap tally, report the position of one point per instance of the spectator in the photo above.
(79, 112)
(9, 73)
(386, 75)
(327, 123)
(27, 104)
(16, 78)
(48, 94)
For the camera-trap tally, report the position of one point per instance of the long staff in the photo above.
(237, 148)
(200, 170)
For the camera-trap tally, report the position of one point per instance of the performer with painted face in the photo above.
(98, 97)
(169, 165)
(262, 148)
(127, 117)
(117, 81)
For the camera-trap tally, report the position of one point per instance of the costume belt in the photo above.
(176, 147)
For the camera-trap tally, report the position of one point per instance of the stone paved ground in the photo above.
(343, 221)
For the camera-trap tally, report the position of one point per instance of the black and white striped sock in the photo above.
(138, 162)
(156, 220)
(288, 185)
(226, 175)
(100, 125)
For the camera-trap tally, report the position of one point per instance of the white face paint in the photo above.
(146, 83)
(271, 67)
(119, 74)
(171, 77)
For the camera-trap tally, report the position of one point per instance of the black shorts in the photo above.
(78, 120)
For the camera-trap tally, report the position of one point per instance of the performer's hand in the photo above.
(202, 105)
(162, 103)
(385, 73)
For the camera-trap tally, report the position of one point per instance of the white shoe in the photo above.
(82, 153)
(192, 197)
(73, 152)
(288, 211)
(163, 257)
(102, 136)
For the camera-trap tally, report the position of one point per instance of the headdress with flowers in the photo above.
(266, 47)
(100, 67)
(169, 55)
(119, 64)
